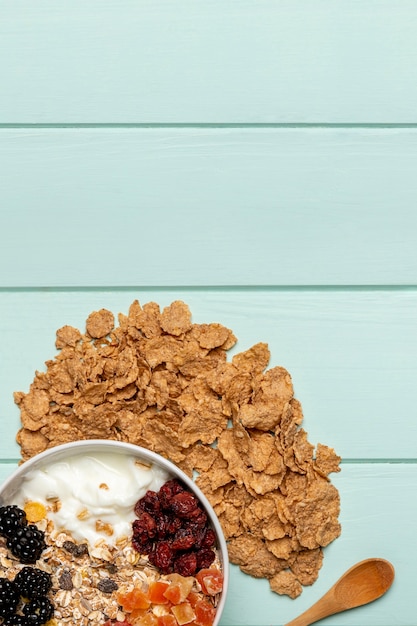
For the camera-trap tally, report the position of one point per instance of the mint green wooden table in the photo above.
(257, 159)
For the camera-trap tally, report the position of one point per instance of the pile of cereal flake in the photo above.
(162, 382)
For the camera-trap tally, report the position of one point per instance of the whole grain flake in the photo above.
(160, 381)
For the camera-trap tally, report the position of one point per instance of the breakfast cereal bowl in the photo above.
(106, 533)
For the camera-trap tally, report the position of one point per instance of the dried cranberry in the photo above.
(183, 504)
(198, 518)
(144, 525)
(141, 544)
(172, 529)
(168, 490)
(209, 539)
(184, 539)
(205, 558)
(162, 556)
(186, 564)
(149, 503)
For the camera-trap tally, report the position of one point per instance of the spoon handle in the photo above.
(322, 608)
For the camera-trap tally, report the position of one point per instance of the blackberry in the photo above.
(16, 620)
(11, 519)
(27, 543)
(9, 597)
(32, 582)
(38, 611)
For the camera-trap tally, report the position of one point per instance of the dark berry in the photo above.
(11, 518)
(17, 620)
(27, 544)
(38, 611)
(9, 597)
(32, 582)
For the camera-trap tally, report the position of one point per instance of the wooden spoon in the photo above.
(363, 583)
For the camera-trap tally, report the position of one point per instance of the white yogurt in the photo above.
(96, 494)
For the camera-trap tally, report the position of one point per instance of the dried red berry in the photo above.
(168, 490)
(162, 556)
(186, 564)
(205, 558)
(172, 529)
(183, 504)
(209, 540)
(145, 525)
(183, 540)
(149, 503)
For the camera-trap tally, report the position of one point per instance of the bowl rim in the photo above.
(86, 446)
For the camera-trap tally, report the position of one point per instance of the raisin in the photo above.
(107, 585)
(65, 580)
(75, 549)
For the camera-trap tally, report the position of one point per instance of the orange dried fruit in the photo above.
(167, 620)
(211, 581)
(204, 613)
(184, 613)
(134, 599)
(156, 592)
(35, 511)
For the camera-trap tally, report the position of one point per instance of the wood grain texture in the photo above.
(256, 61)
(208, 207)
(351, 353)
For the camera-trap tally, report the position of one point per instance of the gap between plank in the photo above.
(206, 125)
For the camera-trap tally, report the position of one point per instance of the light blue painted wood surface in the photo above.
(256, 61)
(351, 353)
(208, 206)
(264, 172)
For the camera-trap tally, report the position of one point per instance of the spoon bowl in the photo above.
(364, 582)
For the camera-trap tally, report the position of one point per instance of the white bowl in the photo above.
(12, 485)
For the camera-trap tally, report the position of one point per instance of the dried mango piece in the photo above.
(35, 511)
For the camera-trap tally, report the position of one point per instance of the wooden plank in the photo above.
(256, 61)
(377, 521)
(208, 207)
(351, 353)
